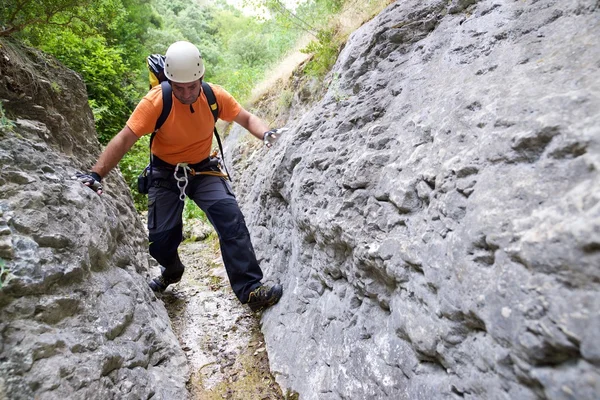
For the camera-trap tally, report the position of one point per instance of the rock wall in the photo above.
(77, 319)
(435, 219)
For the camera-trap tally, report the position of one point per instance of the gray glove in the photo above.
(91, 180)
(270, 137)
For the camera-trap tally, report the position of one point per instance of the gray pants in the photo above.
(214, 196)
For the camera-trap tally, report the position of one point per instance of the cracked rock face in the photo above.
(435, 219)
(77, 319)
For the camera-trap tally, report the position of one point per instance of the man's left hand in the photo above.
(270, 137)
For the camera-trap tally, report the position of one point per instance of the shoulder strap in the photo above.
(167, 104)
(212, 100)
(214, 109)
(166, 110)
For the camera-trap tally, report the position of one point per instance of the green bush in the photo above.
(192, 211)
(131, 167)
(106, 74)
(100, 39)
(5, 123)
(325, 51)
(17, 16)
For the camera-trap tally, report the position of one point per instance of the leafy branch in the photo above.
(19, 14)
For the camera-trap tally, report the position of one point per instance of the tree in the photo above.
(17, 15)
(100, 39)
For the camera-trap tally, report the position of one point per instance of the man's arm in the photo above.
(252, 123)
(114, 152)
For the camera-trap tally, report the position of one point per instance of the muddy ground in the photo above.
(221, 338)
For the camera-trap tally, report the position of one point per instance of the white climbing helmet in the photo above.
(183, 63)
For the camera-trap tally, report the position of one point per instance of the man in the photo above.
(180, 151)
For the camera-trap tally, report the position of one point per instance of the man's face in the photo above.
(187, 93)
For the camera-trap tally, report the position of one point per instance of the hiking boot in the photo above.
(264, 296)
(159, 284)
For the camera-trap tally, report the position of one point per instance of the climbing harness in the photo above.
(186, 171)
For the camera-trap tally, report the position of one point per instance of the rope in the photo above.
(213, 173)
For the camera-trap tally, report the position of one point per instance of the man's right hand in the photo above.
(91, 180)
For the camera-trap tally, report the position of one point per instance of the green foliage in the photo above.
(5, 123)
(249, 49)
(252, 47)
(325, 51)
(236, 48)
(192, 211)
(4, 274)
(19, 15)
(105, 74)
(107, 41)
(56, 88)
(314, 17)
(131, 167)
(103, 44)
(241, 82)
(308, 16)
(330, 6)
(183, 20)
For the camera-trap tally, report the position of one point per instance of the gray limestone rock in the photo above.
(435, 219)
(77, 318)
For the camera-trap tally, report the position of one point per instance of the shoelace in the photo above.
(181, 179)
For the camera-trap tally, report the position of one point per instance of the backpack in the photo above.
(156, 66)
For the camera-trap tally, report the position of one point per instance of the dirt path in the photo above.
(221, 338)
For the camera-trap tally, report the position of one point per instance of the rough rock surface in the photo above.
(77, 319)
(435, 219)
(221, 338)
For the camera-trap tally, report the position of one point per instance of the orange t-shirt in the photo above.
(185, 136)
